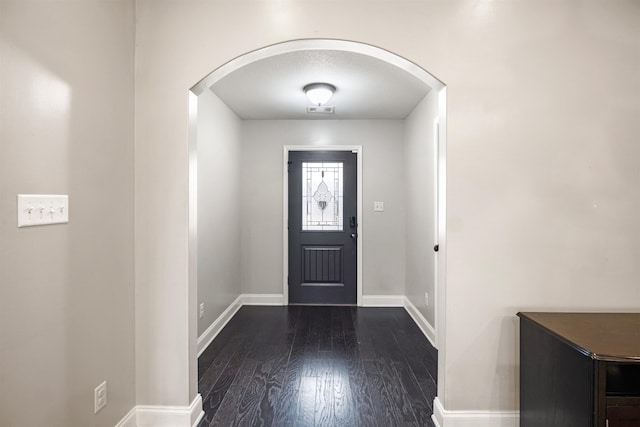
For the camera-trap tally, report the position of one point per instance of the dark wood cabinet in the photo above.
(579, 369)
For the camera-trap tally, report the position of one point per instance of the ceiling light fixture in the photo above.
(319, 93)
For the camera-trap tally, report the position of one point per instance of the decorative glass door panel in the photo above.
(322, 196)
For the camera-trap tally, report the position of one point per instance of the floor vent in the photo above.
(321, 109)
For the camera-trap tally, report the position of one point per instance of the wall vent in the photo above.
(321, 109)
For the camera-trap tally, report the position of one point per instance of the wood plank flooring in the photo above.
(318, 366)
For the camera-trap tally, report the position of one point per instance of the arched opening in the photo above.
(240, 94)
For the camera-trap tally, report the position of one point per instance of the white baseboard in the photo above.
(443, 418)
(383, 300)
(164, 416)
(427, 329)
(262, 299)
(214, 329)
(129, 420)
(196, 410)
(170, 416)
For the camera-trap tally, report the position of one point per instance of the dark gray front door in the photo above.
(322, 227)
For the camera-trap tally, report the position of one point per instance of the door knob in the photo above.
(354, 235)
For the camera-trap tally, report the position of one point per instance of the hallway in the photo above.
(305, 366)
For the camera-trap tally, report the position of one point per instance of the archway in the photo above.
(433, 327)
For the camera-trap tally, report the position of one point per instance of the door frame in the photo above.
(285, 211)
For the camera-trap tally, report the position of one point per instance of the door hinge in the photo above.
(289, 163)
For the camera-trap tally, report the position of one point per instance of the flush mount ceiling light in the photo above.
(319, 93)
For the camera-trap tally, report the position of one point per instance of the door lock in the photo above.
(352, 222)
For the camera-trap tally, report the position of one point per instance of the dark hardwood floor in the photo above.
(318, 366)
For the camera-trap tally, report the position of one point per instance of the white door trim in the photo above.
(441, 283)
(285, 210)
(436, 226)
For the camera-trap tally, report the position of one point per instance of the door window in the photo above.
(322, 194)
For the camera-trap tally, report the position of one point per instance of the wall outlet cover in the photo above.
(100, 397)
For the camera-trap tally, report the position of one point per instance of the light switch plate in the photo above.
(378, 206)
(39, 209)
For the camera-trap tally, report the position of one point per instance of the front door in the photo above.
(323, 227)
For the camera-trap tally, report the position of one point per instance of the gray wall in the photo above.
(219, 168)
(420, 205)
(67, 291)
(542, 108)
(261, 209)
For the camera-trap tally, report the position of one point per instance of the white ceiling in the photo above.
(367, 88)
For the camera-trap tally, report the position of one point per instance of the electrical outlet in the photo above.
(100, 397)
(426, 298)
(201, 310)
